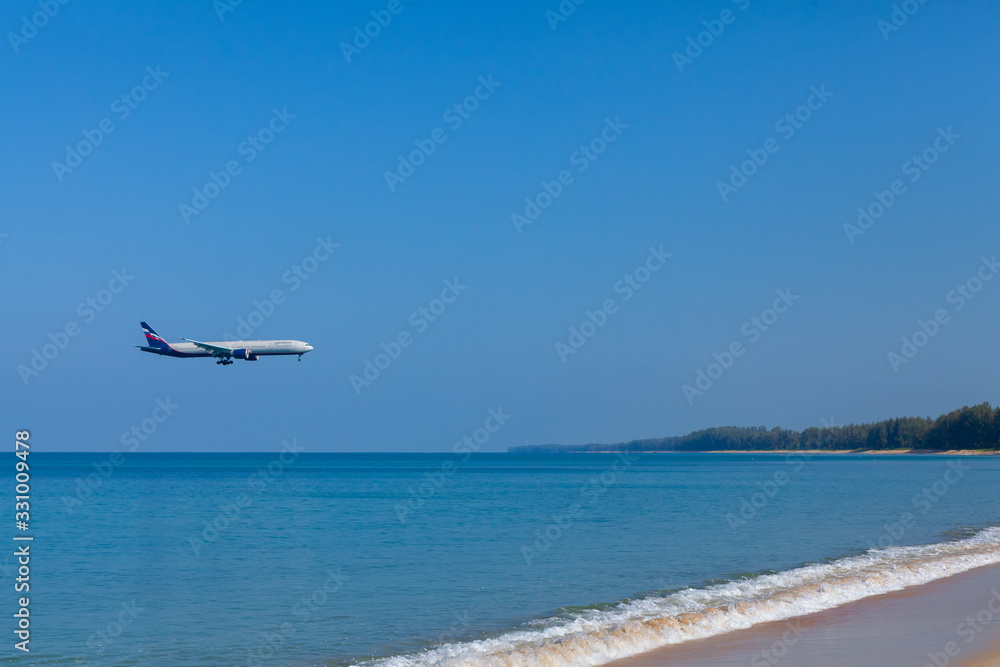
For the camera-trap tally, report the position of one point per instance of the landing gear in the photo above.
(224, 362)
(300, 357)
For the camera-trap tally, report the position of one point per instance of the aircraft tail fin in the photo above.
(153, 338)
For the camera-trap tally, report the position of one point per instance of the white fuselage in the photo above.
(258, 347)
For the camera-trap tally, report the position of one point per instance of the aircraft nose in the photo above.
(309, 347)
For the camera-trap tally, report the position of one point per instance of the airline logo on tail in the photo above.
(152, 337)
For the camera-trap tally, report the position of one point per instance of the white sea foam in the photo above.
(597, 637)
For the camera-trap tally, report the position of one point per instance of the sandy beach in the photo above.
(952, 621)
(987, 658)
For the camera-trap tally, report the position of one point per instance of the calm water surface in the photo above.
(331, 559)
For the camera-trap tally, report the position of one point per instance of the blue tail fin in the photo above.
(153, 338)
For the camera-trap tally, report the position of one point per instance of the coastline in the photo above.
(928, 452)
(918, 626)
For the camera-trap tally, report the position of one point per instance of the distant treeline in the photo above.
(977, 427)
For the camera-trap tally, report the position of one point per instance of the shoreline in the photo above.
(914, 627)
(928, 452)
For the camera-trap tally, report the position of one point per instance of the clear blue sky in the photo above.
(324, 175)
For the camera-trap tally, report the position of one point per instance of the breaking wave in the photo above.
(596, 637)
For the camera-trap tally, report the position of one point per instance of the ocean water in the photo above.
(337, 559)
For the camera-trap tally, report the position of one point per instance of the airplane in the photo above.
(224, 351)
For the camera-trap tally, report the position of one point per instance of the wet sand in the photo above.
(952, 621)
(988, 658)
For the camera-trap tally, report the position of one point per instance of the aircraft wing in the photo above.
(216, 350)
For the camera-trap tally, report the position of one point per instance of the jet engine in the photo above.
(243, 353)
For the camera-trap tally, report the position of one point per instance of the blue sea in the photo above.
(291, 558)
